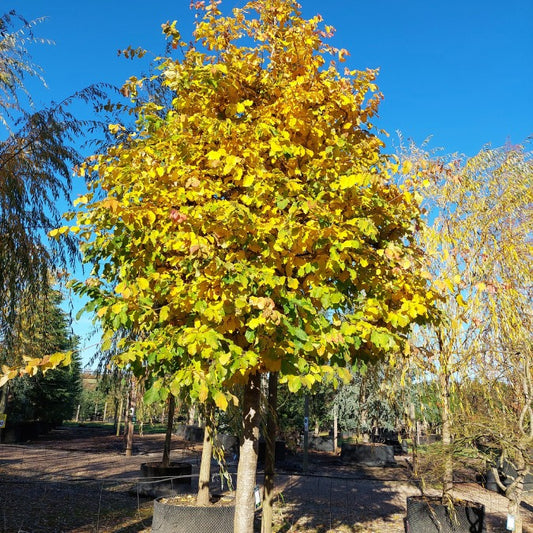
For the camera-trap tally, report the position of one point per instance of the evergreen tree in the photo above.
(51, 397)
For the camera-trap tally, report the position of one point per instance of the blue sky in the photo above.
(458, 71)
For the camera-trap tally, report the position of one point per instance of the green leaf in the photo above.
(152, 395)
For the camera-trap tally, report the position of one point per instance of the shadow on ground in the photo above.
(40, 506)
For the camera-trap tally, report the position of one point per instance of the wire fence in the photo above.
(48, 490)
(315, 503)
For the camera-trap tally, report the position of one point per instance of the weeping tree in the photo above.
(38, 149)
(495, 212)
(481, 253)
(253, 225)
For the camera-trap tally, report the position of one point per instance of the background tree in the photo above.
(481, 250)
(253, 226)
(494, 211)
(37, 151)
(40, 331)
(366, 404)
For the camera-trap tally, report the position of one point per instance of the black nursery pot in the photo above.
(429, 515)
(172, 518)
(174, 470)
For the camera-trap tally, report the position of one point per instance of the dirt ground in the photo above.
(79, 480)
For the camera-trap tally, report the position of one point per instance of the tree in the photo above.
(50, 397)
(494, 212)
(370, 402)
(254, 225)
(480, 244)
(37, 151)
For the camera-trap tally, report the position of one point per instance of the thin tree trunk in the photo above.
(413, 427)
(514, 510)
(192, 414)
(115, 413)
(270, 453)
(119, 415)
(246, 471)
(335, 427)
(306, 434)
(447, 475)
(202, 497)
(168, 436)
(131, 414)
(514, 494)
(4, 392)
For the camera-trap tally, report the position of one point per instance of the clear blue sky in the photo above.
(459, 71)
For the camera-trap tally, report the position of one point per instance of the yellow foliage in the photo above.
(238, 219)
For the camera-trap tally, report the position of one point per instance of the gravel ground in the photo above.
(79, 480)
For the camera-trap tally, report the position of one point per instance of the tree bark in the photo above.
(119, 415)
(335, 427)
(270, 453)
(306, 433)
(246, 471)
(192, 414)
(514, 493)
(168, 436)
(4, 392)
(447, 474)
(131, 413)
(202, 497)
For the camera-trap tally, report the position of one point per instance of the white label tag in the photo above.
(510, 522)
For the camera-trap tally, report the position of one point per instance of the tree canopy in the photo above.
(255, 224)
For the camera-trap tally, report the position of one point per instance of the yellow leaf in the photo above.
(407, 167)
(346, 182)
(143, 283)
(248, 180)
(203, 392)
(119, 289)
(224, 358)
(164, 313)
(292, 283)
(81, 200)
(221, 401)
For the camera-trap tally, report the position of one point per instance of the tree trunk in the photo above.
(514, 510)
(447, 474)
(270, 453)
(119, 415)
(202, 497)
(306, 433)
(335, 427)
(115, 413)
(4, 392)
(168, 436)
(246, 471)
(131, 413)
(414, 431)
(514, 494)
(192, 414)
